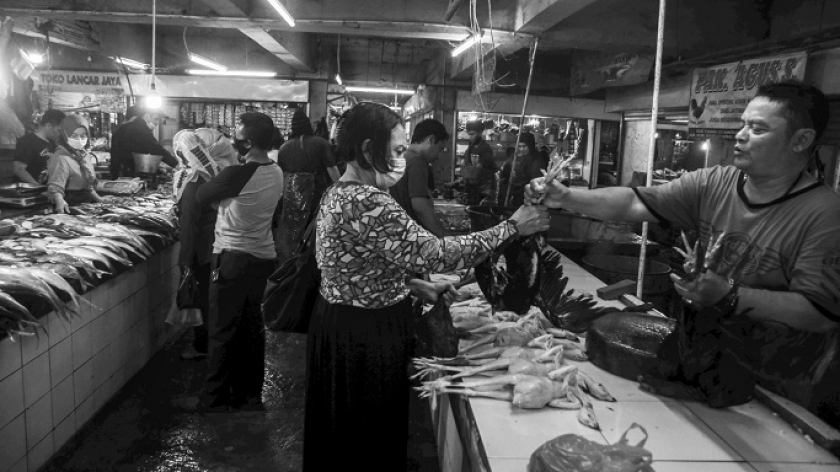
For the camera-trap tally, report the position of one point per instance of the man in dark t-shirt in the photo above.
(412, 191)
(33, 149)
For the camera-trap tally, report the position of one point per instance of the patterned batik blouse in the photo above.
(366, 247)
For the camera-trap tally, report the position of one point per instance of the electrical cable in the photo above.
(185, 40)
(533, 58)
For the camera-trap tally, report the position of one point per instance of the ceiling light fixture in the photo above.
(130, 62)
(464, 46)
(153, 100)
(282, 11)
(338, 79)
(206, 62)
(393, 91)
(232, 73)
(32, 57)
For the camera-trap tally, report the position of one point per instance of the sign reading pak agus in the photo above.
(719, 94)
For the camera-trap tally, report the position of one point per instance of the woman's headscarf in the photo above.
(69, 125)
(198, 152)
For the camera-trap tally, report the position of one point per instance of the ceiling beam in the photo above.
(291, 48)
(64, 33)
(387, 29)
(537, 16)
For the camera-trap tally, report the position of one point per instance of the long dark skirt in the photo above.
(357, 388)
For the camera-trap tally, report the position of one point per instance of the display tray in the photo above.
(24, 202)
(21, 189)
(120, 187)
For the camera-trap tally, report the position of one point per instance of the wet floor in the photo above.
(141, 430)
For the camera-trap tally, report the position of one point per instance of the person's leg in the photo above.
(198, 349)
(250, 358)
(227, 297)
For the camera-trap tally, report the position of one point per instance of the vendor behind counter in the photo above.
(135, 136)
(71, 178)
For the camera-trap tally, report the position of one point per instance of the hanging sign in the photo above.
(594, 71)
(80, 91)
(719, 94)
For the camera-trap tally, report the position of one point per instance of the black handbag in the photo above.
(291, 291)
(187, 295)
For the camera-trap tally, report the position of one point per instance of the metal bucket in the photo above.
(146, 163)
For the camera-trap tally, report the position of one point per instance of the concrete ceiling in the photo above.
(407, 42)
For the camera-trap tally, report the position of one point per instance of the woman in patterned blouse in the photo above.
(358, 391)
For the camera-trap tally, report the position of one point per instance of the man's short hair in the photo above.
(52, 117)
(134, 110)
(805, 106)
(429, 127)
(258, 128)
(475, 126)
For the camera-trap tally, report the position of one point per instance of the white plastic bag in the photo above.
(186, 318)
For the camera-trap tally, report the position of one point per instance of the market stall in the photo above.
(481, 434)
(68, 343)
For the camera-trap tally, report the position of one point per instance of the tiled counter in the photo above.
(683, 436)
(51, 385)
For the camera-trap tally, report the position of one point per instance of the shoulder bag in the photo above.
(291, 290)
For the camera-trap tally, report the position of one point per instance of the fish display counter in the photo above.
(480, 427)
(83, 298)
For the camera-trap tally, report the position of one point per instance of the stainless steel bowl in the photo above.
(146, 163)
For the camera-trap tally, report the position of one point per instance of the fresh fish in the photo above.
(9, 305)
(86, 253)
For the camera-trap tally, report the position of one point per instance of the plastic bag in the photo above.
(573, 453)
(184, 318)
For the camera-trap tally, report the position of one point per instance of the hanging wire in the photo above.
(532, 59)
(185, 40)
(154, 40)
(338, 59)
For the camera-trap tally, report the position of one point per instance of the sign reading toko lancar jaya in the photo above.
(719, 94)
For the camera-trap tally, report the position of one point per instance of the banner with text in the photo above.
(80, 91)
(595, 71)
(719, 94)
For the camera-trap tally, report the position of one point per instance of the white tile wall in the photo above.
(51, 385)
(63, 401)
(39, 454)
(10, 358)
(36, 379)
(58, 329)
(61, 361)
(39, 421)
(11, 393)
(13, 439)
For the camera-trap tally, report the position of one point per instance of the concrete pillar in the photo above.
(317, 100)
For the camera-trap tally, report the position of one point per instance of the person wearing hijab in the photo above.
(71, 179)
(201, 154)
(528, 165)
(308, 169)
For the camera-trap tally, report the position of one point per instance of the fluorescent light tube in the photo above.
(33, 57)
(282, 11)
(131, 62)
(207, 62)
(464, 46)
(391, 91)
(232, 73)
(338, 79)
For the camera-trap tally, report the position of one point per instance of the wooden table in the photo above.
(490, 435)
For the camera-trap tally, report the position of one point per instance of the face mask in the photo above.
(77, 143)
(239, 144)
(389, 179)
